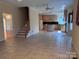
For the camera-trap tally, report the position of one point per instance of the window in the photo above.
(61, 20)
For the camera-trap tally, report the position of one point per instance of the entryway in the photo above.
(8, 26)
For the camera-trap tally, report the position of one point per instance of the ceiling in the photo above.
(40, 3)
(58, 5)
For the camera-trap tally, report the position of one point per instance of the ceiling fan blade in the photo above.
(49, 8)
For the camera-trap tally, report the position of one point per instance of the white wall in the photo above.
(34, 21)
(41, 24)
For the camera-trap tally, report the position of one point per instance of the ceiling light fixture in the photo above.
(19, 0)
(63, 7)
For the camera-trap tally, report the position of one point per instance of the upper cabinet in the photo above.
(48, 17)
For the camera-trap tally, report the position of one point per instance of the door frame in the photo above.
(69, 20)
(7, 16)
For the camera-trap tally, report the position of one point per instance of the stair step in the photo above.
(22, 32)
(20, 36)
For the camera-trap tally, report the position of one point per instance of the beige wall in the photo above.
(76, 30)
(16, 17)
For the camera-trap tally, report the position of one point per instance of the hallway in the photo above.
(44, 45)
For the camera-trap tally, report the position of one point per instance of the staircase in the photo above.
(23, 33)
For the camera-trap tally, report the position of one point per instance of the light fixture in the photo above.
(63, 7)
(8, 16)
(19, 0)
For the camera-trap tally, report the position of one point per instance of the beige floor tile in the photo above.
(44, 45)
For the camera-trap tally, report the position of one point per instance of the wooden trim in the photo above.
(77, 17)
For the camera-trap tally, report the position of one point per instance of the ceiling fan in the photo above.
(48, 8)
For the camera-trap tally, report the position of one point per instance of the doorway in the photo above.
(70, 23)
(7, 23)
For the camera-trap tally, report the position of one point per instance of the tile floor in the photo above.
(44, 45)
